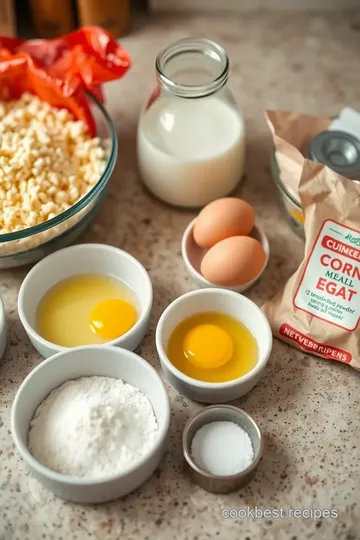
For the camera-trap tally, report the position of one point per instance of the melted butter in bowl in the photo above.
(86, 309)
(213, 344)
(85, 294)
(212, 347)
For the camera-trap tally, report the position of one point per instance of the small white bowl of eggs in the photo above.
(87, 294)
(223, 247)
(213, 345)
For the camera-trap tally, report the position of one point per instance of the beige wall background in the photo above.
(251, 5)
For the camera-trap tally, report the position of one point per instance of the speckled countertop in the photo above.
(308, 408)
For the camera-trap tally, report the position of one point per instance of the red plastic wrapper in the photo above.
(60, 70)
(19, 74)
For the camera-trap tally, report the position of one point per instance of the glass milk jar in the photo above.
(191, 139)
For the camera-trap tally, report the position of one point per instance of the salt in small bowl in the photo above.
(228, 413)
(193, 254)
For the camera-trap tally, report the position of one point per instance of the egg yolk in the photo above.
(208, 346)
(112, 318)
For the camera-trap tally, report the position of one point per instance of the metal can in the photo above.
(339, 150)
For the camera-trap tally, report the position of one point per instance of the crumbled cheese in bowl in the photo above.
(48, 162)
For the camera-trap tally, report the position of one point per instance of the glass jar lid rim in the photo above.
(203, 46)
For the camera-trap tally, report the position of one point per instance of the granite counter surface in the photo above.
(308, 408)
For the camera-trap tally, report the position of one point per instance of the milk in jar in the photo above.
(191, 136)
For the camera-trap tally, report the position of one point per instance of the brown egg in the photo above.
(222, 219)
(233, 261)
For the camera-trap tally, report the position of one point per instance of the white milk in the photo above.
(191, 151)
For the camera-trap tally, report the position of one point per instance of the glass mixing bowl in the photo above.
(32, 244)
(292, 209)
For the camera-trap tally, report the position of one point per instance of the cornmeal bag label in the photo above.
(330, 284)
(318, 310)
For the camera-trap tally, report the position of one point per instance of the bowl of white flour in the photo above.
(91, 423)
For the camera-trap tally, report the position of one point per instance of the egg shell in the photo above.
(222, 219)
(233, 261)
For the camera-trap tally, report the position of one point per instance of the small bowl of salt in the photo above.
(222, 446)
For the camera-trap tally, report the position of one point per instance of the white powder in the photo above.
(92, 426)
(222, 448)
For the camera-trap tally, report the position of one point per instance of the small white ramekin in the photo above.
(192, 255)
(222, 413)
(3, 329)
(230, 303)
(83, 259)
(84, 362)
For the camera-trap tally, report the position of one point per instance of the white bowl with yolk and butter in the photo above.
(85, 260)
(218, 347)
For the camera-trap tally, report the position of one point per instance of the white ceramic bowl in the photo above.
(82, 259)
(224, 301)
(87, 361)
(194, 254)
(3, 329)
